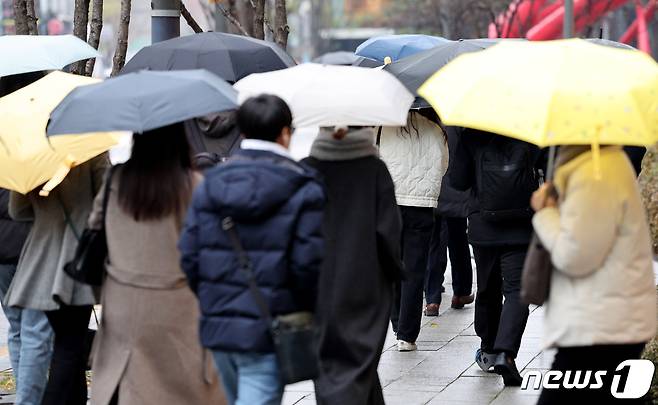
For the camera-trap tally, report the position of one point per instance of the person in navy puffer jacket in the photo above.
(277, 207)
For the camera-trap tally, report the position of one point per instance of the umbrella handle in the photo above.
(61, 173)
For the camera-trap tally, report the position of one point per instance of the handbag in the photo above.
(88, 264)
(295, 335)
(536, 276)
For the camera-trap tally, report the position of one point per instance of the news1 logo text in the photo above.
(632, 379)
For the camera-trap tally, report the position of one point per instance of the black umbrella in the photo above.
(414, 70)
(141, 101)
(229, 56)
(367, 62)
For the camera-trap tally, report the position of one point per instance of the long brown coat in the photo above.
(148, 345)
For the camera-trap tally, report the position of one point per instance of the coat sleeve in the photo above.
(307, 251)
(20, 207)
(389, 226)
(581, 233)
(189, 242)
(462, 166)
(96, 217)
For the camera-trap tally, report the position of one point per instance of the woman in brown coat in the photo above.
(147, 350)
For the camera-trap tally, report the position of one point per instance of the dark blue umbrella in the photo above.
(141, 101)
(397, 46)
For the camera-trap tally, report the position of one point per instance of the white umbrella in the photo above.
(31, 53)
(320, 95)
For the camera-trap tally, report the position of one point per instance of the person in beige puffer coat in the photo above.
(417, 158)
(602, 304)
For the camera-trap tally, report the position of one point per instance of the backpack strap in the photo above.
(247, 269)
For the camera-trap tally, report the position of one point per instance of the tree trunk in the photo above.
(281, 28)
(80, 20)
(122, 38)
(20, 17)
(245, 13)
(95, 33)
(31, 18)
(259, 19)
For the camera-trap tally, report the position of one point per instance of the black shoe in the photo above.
(506, 368)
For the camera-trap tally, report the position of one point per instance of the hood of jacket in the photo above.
(570, 159)
(253, 184)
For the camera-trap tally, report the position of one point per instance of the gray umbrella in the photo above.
(141, 101)
(607, 42)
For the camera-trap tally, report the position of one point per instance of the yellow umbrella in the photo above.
(28, 158)
(566, 92)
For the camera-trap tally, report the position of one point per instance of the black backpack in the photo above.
(506, 179)
(213, 139)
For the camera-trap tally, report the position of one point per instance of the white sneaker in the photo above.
(406, 346)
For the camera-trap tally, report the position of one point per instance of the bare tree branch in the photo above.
(189, 19)
(233, 20)
(95, 33)
(281, 23)
(122, 40)
(20, 17)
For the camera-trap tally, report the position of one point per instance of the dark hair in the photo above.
(12, 83)
(264, 117)
(427, 113)
(157, 179)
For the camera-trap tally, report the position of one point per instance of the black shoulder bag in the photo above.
(295, 335)
(88, 264)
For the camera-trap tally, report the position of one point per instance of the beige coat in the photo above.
(602, 288)
(40, 281)
(148, 344)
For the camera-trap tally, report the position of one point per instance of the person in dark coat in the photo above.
(499, 247)
(449, 234)
(362, 229)
(213, 138)
(277, 206)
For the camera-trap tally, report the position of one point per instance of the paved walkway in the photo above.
(443, 371)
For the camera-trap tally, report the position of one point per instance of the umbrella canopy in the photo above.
(323, 95)
(141, 101)
(31, 53)
(414, 70)
(565, 92)
(607, 42)
(28, 158)
(343, 58)
(397, 46)
(229, 56)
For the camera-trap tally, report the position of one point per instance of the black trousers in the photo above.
(417, 224)
(449, 235)
(500, 325)
(67, 384)
(594, 358)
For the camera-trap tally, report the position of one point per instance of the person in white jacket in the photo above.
(417, 158)
(601, 308)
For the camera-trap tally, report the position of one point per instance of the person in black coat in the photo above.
(449, 234)
(362, 228)
(277, 208)
(499, 242)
